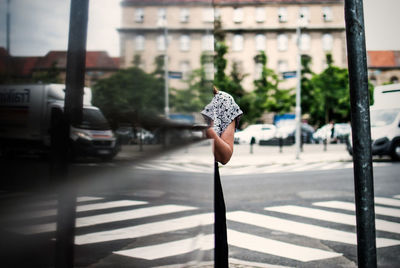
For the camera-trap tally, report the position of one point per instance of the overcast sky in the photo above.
(38, 26)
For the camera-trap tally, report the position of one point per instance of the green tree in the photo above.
(268, 97)
(52, 75)
(198, 93)
(331, 95)
(129, 94)
(307, 87)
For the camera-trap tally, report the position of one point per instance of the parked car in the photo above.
(385, 122)
(125, 134)
(257, 131)
(286, 130)
(332, 133)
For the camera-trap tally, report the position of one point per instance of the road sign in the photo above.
(290, 74)
(175, 75)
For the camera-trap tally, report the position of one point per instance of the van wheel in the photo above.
(395, 154)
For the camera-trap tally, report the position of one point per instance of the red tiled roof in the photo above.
(94, 60)
(116, 61)
(385, 58)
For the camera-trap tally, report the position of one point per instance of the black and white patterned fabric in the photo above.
(222, 110)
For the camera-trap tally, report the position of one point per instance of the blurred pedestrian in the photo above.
(222, 115)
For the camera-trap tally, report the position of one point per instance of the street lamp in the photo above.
(163, 25)
(301, 24)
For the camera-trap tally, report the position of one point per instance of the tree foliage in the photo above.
(127, 93)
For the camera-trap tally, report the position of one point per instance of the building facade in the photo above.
(250, 26)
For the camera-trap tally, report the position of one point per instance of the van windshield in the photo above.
(93, 119)
(380, 118)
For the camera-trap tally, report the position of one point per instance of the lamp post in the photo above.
(166, 77)
(298, 93)
(8, 26)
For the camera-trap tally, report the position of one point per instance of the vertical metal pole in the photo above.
(298, 94)
(8, 26)
(360, 122)
(75, 78)
(166, 108)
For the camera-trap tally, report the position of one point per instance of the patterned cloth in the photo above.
(222, 110)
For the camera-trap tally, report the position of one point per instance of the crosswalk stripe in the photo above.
(303, 229)
(146, 229)
(387, 201)
(397, 196)
(109, 217)
(320, 214)
(82, 208)
(391, 212)
(277, 248)
(53, 202)
(169, 249)
(309, 167)
(331, 166)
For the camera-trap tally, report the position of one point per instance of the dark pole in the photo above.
(75, 78)
(360, 123)
(8, 26)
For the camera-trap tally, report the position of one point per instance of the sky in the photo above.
(38, 26)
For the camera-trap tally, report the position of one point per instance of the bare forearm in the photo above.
(222, 150)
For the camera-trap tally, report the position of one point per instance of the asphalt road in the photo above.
(137, 216)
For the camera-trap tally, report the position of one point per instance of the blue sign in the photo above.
(291, 74)
(175, 75)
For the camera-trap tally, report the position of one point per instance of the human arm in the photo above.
(223, 146)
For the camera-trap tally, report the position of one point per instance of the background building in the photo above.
(383, 67)
(250, 25)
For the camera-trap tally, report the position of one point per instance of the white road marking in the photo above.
(342, 218)
(332, 166)
(169, 249)
(313, 166)
(277, 248)
(108, 217)
(387, 201)
(397, 196)
(392, 212)
(89, 207)
(303, 229)
(146, 229)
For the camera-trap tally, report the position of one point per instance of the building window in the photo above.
(260, 14)
(304, 15)
(139, 42)
(282, 42)
(372, 79)
(161, 43)
(161, 17)
(327, 14)
(185, 42)
(217, 13)
(139, 15)
(305, 42)
(185, 15)
(237, 42)
(237, 15)
(282, 14)
(394, 79)
(208, 42)
(327, 42)
(260, 42)
(282, 66)
(185, 69)
(208, 14)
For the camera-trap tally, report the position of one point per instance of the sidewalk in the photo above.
(201, 153)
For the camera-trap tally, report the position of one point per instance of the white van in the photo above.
(25, 118)
(385, 122)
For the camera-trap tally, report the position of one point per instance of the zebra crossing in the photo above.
(246, 169)
(158, 223)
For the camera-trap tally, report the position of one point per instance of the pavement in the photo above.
(201, 153)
